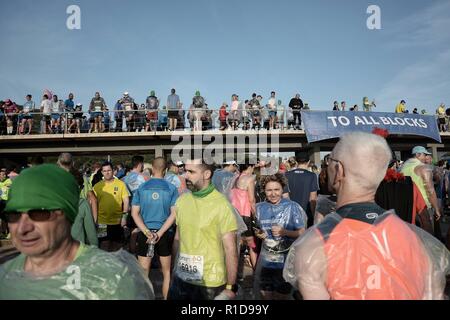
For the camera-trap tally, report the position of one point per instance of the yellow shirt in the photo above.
(201, 223)
(400, 108)
(110, 200)
(4, 189)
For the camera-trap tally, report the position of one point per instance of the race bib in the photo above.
(128, 107)
(274, 257)
(102, 230)
(190, 268)
(98, 108)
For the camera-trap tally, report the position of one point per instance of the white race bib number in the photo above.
(102, 230)
(97, 108)
(190, 268)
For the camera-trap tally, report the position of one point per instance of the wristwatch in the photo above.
(232, 287)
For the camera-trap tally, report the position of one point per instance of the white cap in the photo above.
(179, 163)
(125, 93)
(78, 105)
(231, 162)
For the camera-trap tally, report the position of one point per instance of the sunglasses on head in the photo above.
(37, 215)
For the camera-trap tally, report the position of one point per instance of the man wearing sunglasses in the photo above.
(42, 205)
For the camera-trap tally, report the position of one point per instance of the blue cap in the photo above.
(420, 149)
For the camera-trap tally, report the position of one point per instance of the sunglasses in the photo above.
(37, 215)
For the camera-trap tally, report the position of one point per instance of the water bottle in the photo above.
(151, 249)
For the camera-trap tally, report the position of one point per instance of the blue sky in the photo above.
(321, 49)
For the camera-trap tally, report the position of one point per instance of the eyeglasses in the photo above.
(37, 215)
(335, 160)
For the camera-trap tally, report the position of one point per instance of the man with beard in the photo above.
(205, 240)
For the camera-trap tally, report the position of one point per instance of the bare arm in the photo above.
(135, 213)
(94, 205)
(229, 242)
(313, 200)
(427, 176)
(176, 244)
(251, 195)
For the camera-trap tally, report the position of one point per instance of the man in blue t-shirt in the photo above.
(153, 210)
(303, 186)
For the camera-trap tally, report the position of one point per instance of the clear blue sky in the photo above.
(321, 49)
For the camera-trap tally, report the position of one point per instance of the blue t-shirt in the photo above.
(69, 104)
(287, 214)
(155, 198)
(133, 181)
(173, 179)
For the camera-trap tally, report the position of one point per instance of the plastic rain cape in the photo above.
(389, 259)
(94, 275)
(274, 250)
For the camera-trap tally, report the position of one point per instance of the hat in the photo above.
(78, 105)
(152, 93)
(125, 93)
(232, 162)
(46, 187)
(179, 163)
(419, 149)
(197, 93)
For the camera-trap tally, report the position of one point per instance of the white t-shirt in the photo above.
(272, 103)
(46, 106)
(56, 107)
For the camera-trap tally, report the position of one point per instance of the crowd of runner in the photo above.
(363, 226)
(56, 115)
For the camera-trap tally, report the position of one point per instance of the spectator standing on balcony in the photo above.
(296, 104)
(96, 109)
(440, 112)
(415, 111)
(198, 104)
(69, 108)
(343, 106)
(152, 105)
(401, 107)
(368, 106)
(118, 116)
(223, 114)
(46, 106)
(234, 113)
(11, 111)
(272, 106)
(173, 107)
(57, 109)
(27, 118)
(336, 106)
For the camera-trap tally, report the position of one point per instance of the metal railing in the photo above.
(145, 120)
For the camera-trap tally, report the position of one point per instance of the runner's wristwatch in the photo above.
(232, 287)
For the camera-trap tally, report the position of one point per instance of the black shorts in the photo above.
(27, 117)
(441, 120)
(180, 290)
(272, 280)
(173, 114)
(113, 233)
(163, 247)
(250, 225)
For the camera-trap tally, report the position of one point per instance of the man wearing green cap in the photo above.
(42, 206)
(152, 105)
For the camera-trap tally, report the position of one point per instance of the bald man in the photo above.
(153, 211)
(361, 252)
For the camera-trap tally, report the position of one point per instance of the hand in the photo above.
(123, 223)
(437, 215)
(225, 295)
(277, 231)
(152, 237)
(261, 234)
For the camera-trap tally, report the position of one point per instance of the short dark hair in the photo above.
(272, 92)
(403, 101)
(301, 159)
(45, 96)
(136, 160)
(29, 95)
(106, 164)
(253, 95)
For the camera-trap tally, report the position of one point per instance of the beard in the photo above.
(191, 186)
